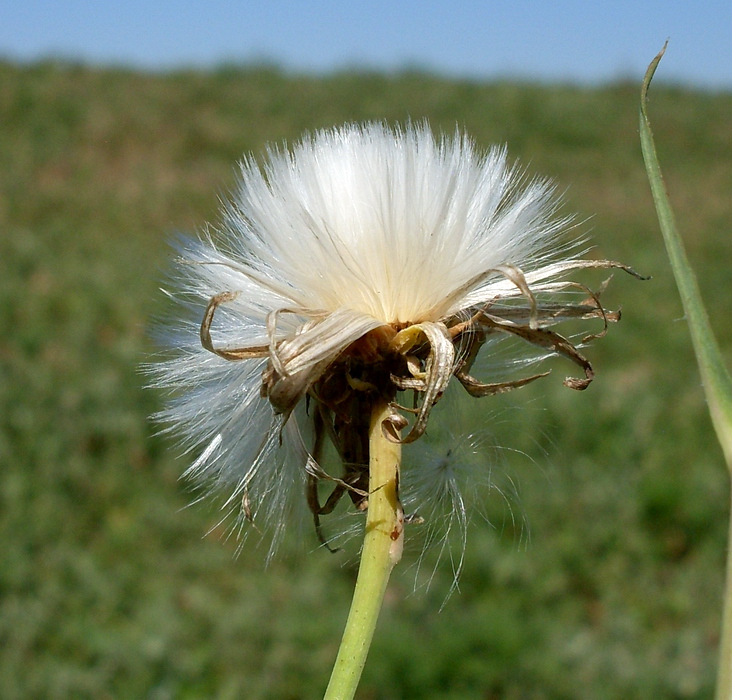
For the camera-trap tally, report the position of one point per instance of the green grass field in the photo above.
(109, 585)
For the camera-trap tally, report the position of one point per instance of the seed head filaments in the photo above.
(365, 265)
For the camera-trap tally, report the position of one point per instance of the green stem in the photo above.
(381, 551)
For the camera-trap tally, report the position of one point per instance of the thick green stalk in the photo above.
(381, 551)
(715, 377)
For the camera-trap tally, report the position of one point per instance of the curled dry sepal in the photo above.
(365, 263)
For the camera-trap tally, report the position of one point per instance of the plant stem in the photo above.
(381, 551)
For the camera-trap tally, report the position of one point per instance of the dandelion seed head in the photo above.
(383, 222)
(364, 261)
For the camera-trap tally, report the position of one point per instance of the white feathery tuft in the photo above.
(353, 229)
(385, 222)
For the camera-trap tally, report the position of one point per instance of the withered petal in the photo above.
(545, 338)
(233, 354)
(479, 389)
(438, 368)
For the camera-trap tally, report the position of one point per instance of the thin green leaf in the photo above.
(715, 377)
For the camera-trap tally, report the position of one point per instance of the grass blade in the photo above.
(715, 377)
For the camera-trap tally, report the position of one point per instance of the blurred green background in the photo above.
(109, 585)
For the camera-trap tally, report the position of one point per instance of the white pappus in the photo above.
(364, 261)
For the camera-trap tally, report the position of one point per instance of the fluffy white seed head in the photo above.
(392, 224)
(354, 230)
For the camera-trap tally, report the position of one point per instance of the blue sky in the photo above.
(580, 41)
